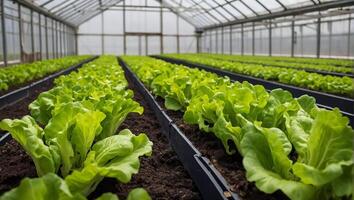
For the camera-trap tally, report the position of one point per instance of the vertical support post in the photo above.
(178, 47)
(198, 36)
(270, 37)
(329, 24)
(76, 39)
(161, 30)
(20, 30)
(146, 44)
(230, 40)
(253, 43)
(349, 27)
(61, 39)
(46, 36)
(102, 32)
(53, 38)
(210, 42)
(242, 38)
(124, 32)
(222, 40)
(40, 35)
(293, 36)
(139, 45)
(217, 41)
(3, 27)
(32, 33)
(318, 38)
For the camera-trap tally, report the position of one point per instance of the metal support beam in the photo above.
(32, 32)
(230, 40)
(217, 41)
(222, 40)
(253, 43)
(288, 12)
(46, 37)
(270, 37)
(242, 42)
(318, 38)
(178, 40)
(292, 37)
(210, 42)
(124, 36)
(3, 27)
(349, 27)
(40, 36)
(161, 30)
(20, 30)
(102, 31)
(31, 6)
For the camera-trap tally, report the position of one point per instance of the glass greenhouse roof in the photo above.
(200, 13)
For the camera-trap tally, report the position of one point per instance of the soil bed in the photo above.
(162, 174)
(20, 108)
(230, 167)
(15, 164)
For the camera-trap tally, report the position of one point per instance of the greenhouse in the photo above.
(176, 99)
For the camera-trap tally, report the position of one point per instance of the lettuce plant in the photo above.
(287, 144)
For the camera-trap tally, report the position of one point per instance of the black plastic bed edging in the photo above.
(21, 93)
(16, 95)
(323, 100)
(209, 181)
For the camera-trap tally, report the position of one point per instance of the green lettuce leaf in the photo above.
(26, 132)
(47, 187)
(115, 156)
(330, 149)
(266, 162)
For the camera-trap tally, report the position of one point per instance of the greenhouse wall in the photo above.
(31, 35)
(136, 28)
(288, 36)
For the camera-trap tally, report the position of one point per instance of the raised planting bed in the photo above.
(292, 67)
(162, 174)
(324, 100)
(209, 181)
(15, 94)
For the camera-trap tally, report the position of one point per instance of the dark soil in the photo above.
(162, 174)
(15, 165)
(230, 167)
(20, 108)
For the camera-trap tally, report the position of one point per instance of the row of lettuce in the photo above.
(349, 63)
(287, 143)
(278, 62)
(342, 86)
(22, 73)
(78, 145)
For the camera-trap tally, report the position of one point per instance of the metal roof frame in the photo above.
(203, 15)
(294, 11)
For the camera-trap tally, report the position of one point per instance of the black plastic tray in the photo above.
(323, 100)
(16, 95)
(209, 181)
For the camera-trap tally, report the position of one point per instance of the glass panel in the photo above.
(12, 32)
(36, 36)
(236, 40)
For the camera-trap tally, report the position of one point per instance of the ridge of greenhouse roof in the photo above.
(202, 14)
